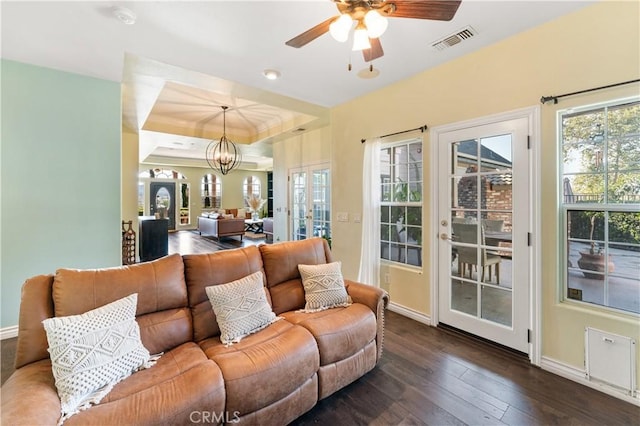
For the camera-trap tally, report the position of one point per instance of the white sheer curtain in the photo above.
(369, 272)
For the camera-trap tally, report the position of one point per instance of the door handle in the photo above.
(444, 237)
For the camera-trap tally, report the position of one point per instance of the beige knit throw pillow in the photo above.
(323, 286)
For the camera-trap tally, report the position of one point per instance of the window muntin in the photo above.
(401, 202)
(211, 191)
(600, 203)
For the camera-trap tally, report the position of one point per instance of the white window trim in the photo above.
(392, 263)
(562, 210)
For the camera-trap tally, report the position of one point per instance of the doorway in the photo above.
(484, 228)
(162, 201)
(310, 202)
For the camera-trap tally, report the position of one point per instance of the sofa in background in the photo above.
(219, 228)
(267, 228)
(269, 377)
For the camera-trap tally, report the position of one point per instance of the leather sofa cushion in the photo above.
(160, 285)
(339, 332)
(203, 270)
(264, 367)
(182, 381)
(162, 310)
(281, 269)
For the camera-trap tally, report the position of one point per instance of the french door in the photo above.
(483, 231)
(310, 202)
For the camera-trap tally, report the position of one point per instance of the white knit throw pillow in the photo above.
(323, 286)
(241, 307)
(90, 353)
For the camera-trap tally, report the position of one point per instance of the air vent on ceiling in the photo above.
(453, 39)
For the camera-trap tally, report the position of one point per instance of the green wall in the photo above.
(60, 174)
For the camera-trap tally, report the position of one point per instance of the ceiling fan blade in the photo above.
(438, 10)
(311, 34)
(374, 52)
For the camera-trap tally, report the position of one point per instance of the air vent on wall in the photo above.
(453, 39)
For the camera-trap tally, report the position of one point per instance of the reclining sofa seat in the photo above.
(348, 339)
(270, 376)
(182, 381)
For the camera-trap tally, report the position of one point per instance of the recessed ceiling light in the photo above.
(124, 15)
(271, 74)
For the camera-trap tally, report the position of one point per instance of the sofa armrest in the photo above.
(29, 396)
(377, 300)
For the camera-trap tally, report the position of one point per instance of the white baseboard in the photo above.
(580, 376)
(409, 313)
(8, 332)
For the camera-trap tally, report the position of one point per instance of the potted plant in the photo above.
(255, 204)
(594, 259)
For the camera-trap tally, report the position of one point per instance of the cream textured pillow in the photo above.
(323, 286)
(241, 213)
(241, 307)
(92, 352)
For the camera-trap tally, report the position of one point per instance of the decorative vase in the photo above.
(594, 262)
(255, 215)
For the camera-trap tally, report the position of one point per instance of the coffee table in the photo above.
(253, 225)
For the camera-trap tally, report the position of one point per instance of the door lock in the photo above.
(444, 222)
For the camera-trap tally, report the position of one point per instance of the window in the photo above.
(211, 191)
(401, 203)
(251, 185)
(600, 204)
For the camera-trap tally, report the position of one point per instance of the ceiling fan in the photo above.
(370, 21)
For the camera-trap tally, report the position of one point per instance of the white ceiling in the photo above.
(222, 47)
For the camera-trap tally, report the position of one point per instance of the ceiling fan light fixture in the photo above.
(339, 29)
(361, 38)
(376, 23)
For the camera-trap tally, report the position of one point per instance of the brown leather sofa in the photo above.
(270, 377)
(219, 228)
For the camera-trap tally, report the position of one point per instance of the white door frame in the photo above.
(535, 288)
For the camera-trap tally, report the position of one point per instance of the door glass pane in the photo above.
(464, 297)
(496, 304)
(321, 203)
(481, 220)
(299, 206)
(464, 192)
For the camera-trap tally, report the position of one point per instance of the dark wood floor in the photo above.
(432, 376)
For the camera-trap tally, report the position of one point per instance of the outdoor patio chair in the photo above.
(467, 256)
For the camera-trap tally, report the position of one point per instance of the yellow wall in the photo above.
(595, 46)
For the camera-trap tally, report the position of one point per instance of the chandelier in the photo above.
(223, 155)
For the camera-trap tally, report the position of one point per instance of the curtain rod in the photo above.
(546, 99)
(421, 128)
